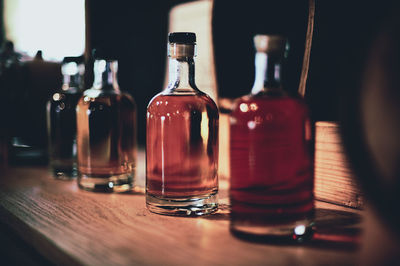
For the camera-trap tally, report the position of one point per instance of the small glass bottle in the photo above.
(61, 120)
(271, 154)
(182, 139)
(106, 132)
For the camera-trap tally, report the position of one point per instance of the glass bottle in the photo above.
(106, 132)
(271, 154)
(61, 120)
(182, 139)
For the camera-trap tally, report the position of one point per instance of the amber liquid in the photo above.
(271, 161)
(182, 146)
(61, 123)
(106, 134)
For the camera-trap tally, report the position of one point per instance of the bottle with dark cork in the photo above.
(182, 140)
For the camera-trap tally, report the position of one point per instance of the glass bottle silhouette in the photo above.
(271, 154)
(182, 139)
(106, 131)
(61, 120)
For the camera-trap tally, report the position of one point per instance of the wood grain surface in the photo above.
(70, 226)
(334, 180)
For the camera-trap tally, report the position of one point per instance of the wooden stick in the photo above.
(307, 50)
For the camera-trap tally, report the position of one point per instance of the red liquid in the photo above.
(181, 146)
(271, 161)
(106, 135)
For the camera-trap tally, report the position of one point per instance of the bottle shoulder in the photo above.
(270, 97)
(65, 97)
(256, 104)
(67, 91)
(128, 100)
(107, 96)
(166, 102)
(198, 97)
(72, 90)
(100, 93)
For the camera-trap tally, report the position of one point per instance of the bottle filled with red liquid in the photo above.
(271, 154)
(106, 131)
(182, 139)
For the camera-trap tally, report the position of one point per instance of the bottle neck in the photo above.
(181, 74)
(268, 73)
(72, 76)
(105, 75)
(181, 67)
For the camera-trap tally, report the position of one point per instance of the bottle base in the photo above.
(298, 231)
(63, 169)
(106, 183)
(64, 174)
(193, 206)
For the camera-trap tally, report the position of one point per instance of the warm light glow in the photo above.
(244, 107)
(56, 96)
(57, 27)
(253, 106)
(204, 128)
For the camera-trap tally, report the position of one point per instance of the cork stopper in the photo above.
(269, 43)
(178, 50)
(182, 44)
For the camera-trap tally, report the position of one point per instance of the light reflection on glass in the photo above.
(244, 107)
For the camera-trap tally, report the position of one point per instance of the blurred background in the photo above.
(36, 35)
(44, 31)
(137, 33)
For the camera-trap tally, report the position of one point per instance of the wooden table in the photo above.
(67, 225)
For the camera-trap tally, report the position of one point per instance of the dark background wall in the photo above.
(343, 32)
(233, 31)
(137, 33)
